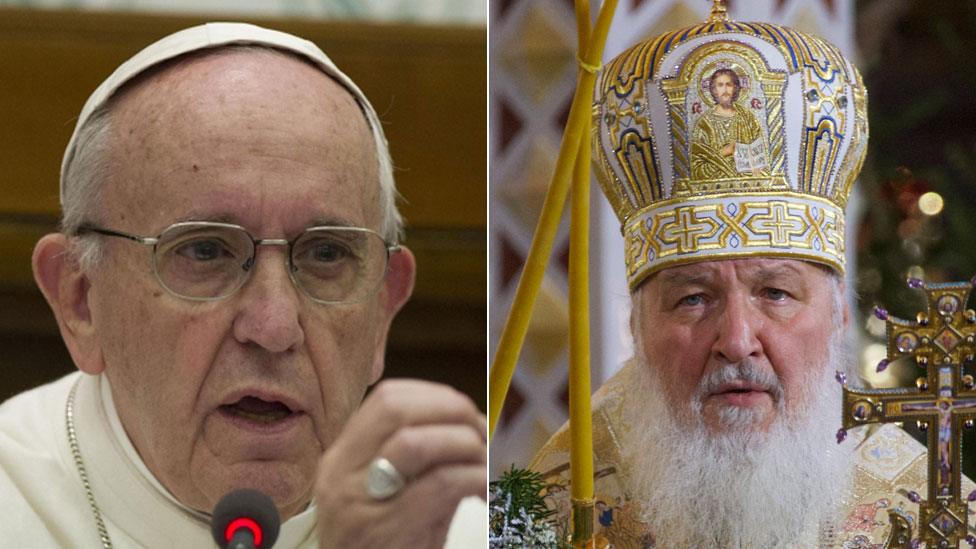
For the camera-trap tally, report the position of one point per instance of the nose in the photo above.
(738, 326)
(269, 305)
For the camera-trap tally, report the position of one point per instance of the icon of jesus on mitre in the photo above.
(727, 140)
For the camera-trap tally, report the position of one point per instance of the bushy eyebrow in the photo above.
(212, 218)
(234, 220)
(670, 279)
(330, 222)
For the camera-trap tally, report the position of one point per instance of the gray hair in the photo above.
(89, 168)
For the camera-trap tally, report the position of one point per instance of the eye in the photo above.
(776, 294)
(328, 252)
(326, 256)
(202, 250)
(692, 300)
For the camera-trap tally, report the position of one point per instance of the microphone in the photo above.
(245, 519)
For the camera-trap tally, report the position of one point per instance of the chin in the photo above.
(738, 419)
(289, 485)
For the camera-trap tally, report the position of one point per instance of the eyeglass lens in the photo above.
(329, 264)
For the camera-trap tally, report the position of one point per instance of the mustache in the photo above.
(745, 371)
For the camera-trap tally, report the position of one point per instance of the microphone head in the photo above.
(247, 509)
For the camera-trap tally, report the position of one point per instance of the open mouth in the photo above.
(257, 410)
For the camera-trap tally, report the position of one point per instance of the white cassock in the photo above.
(44, 503)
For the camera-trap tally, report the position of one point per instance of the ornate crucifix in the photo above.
(941, 342)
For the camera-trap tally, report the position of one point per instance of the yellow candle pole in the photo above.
(582, 9)
(580, 424)
(516, 326)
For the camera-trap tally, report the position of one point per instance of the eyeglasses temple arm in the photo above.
(147, 240)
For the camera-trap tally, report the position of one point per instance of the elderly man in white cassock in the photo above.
(721, 431)
(225, 277)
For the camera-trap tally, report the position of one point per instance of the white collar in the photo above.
(122, 439)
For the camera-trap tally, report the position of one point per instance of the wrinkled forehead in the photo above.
(727, 271)
(235, 135)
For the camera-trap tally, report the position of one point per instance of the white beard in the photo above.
(741, 489)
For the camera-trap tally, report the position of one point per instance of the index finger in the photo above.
(396, 403)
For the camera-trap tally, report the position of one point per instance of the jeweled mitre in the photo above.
(727, 140)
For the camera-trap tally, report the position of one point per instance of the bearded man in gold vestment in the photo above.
(714, 435)
(720, 433)
(718, 130)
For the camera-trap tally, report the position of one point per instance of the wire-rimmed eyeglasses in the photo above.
(207, 261)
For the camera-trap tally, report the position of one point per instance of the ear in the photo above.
(634, 322)
(397, 287)
(66, 290)
(636, 304)
(634, 309)
(845, 308)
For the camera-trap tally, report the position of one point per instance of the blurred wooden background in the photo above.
(427, 83)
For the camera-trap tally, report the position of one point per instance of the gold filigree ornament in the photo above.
(726, 140)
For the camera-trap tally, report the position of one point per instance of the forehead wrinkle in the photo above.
(761, 271)
(683, 277)
(166, 97)
(776, 271)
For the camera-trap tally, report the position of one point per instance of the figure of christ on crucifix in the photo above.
(944, 409)
(941, 342)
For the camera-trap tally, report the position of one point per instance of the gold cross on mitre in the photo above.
(720, 11)
(941, 341)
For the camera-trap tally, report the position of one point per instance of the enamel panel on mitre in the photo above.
(728, 140)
